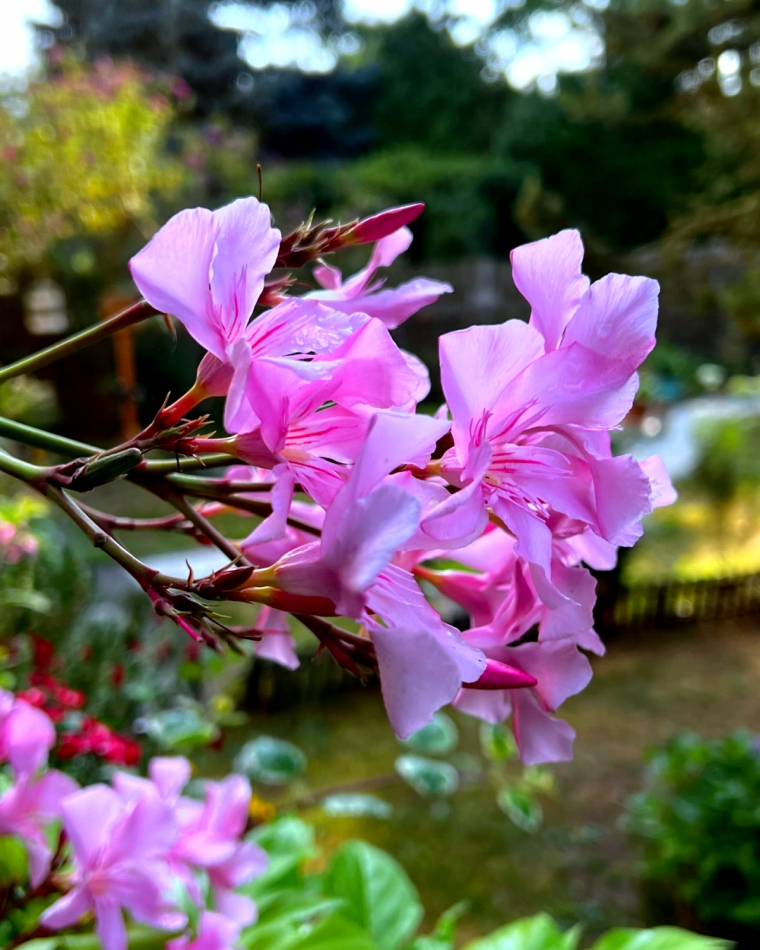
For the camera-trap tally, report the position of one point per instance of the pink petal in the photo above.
(369, 532)
(277, 643)
(540, 737)
(109, 925)
(571, 386)
(477, 365)
(622, 494)
(662, 492)
(67, 910)
(396, 304)
(618, 317)
(89, 817)
(548, 274)
(394, 439)
(489, 706)
(420, 671)
(28, 734)
(173, 271)
(274, 526)
(247, 247)
(558, 665)
(170, 775)
(374, 371)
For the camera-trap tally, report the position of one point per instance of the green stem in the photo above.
(169, 466)
(40, 439)
(127, 318)
(31, 474)
(204, 526)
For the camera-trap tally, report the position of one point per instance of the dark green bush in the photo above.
(699, 824)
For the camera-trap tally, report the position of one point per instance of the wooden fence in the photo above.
(686, 601)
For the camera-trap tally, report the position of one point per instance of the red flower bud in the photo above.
(385, 223)
(500, 676)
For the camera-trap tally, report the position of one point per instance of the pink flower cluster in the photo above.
(134, 845)
(513, 479)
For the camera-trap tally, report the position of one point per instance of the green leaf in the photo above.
(531, 933)
(520, 807)
(438, 737)
(336, 933)
(180, 730)
(497, 743)
(29, 599)
(332, 933)
(378, 894)
(355, 805)
(270, 761)
(13, 862)
(444, 933)
(426, 776)
(288, 842)
(287, 836)
(658, 938)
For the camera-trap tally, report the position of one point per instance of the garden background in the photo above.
(635, 121)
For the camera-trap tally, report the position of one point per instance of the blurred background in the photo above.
(636, 121)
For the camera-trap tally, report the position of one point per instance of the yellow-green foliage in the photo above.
(81, 153)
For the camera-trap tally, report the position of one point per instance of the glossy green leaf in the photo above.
(658, 938)
(355, 805)
(439, 737)
(378, 894)
(532, 933)
(427, 776)
(270, 761)
(288, 842)
(497, 743)
(520, 807)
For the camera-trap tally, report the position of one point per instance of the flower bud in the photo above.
(383, 224)
(501, 676)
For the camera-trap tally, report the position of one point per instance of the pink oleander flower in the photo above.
(362, 293)
(25, 811)
(532, 406)
(26, 735)
(210, 839)
(208, 833)
(215, 932)
(120, 853)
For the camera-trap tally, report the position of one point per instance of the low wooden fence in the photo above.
(686, 601)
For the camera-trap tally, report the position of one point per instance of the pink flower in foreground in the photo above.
(208, 833)
(363, 292)
(27, 808)
(120, 853)
(26, 735)
(210, 839)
